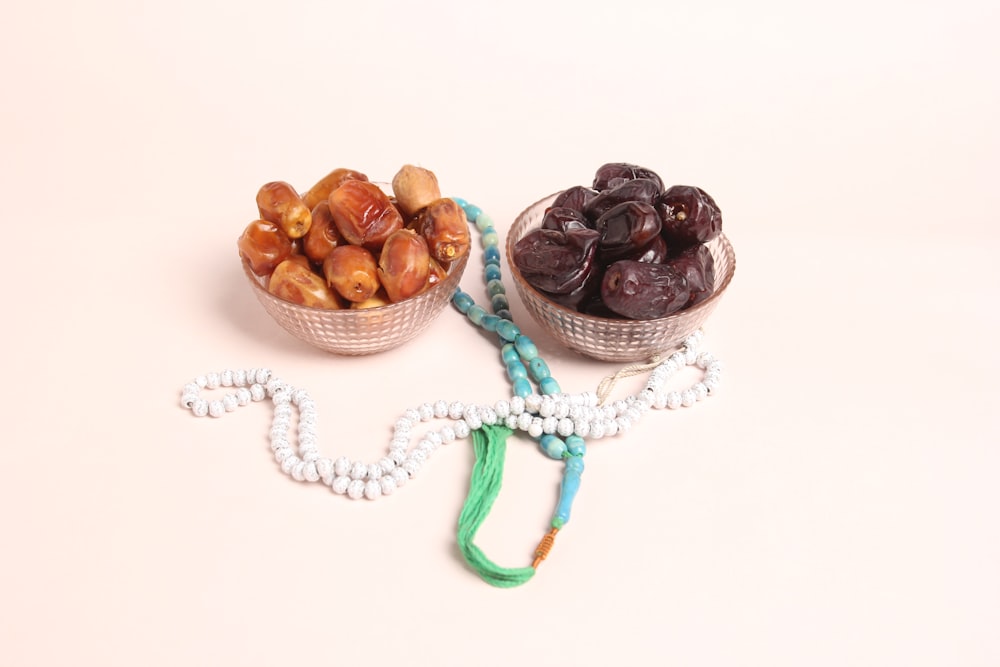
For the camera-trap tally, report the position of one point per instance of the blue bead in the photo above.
(507, 329)
(461, 202)
(499, 302)
(517, 371)
(462, 301)
(505, 314)
(472, 212)
(483, 222)
(476, 313)
(508, 353)
(575, 445)
(549, 386)
(490, 238)
(490, 322)
(522, 387)
(492, 253)
(525, 347)
(539, 369)
(552, 445)
(494, 287)
(567, 490)
(492, 272)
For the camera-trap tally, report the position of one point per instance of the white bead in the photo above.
(356, 489)
(524, 420)
(581, 427)
(691, 354)
(461, 429)
(502, 408)
(645, 397)
(280, 442)
(212, 381)
(620, 407)
(426, 411)
(191, 388)
(257, 392)
(679, 359)
(226, 378)
(324, 468)
(562, 410)
(399, 476)
(597, 429)
(488, 415)
(547, 407)
(456, 409)
(340, 484)
(634, 413)
(239, 378)
(687, 398)
(532, 402)
(711, 384)
(510, 421)
(309, 472)
(342, 466)
(418, 455)
(289, 463)
(187, 400)
(447, 434)
(565, 427)
(398, 455)
(310, 455)
(263, 375)
(411, 466)
(673, 400)
(549, 425)
(298, 471)
(705, 359)
(440, 409)
(216, 409)
(434, 438)
(412, 414)
(374, 471)
(358, 470)
(307, 440)
(300, 395)
(243, 396)
(402, 426)
(386, 464)
(283, 453)
(373, 490)
(427, 445)
(516, 405)
(535, 428)
(399, 442)
(700, 391)
(623, 424)
(388, 485)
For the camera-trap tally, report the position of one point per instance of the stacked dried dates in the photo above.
(345, 243)
(627, 247)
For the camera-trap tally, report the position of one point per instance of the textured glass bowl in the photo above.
(362, 331)
(614, 339)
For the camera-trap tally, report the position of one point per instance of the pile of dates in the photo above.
(627, 247)
(345, 243)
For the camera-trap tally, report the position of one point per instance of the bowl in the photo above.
(608, 339)
(359, 331)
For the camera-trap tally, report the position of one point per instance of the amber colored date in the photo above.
(293, 281)
(444, 225)
(321, 190)
(323, 235)
(352, 272)
(263, 245)
(278, 202)
(363, 214)
(404, 264)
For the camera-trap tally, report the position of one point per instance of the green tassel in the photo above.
(490, 444)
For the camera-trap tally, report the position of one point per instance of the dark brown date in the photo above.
(689, 215)
(697, 265)
(638, 189)
(655, 252)
(363, 214)
(625, 229)
(615, 173)
(575, 198)
(352, 272)
(643, 291)
(263, 245)
(563, 219)
(554, 261)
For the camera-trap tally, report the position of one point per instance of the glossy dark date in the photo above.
(563, 219)
(555, 261)
(575, 197)
(689, 215)
(615, 173)
(626, 229)
(697, 265)
(639, 189)
(643, 291)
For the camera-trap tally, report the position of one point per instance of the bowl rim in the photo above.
(521, 281)
(456, 269)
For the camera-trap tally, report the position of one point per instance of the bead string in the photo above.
(558, 421)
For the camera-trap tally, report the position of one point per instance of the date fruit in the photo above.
(352, 272)
(564, 218)
(638, 189)
(689, 215)
(444, 225)
(697, 265)
(626, 228)
(278, 202)
(363, 214)
(644, 291)
(615, 173)
(323, 235)
(263, 245)
(576, 198)
(294, 281)
(414, 188)
(404, 264)
(324, 186)
(554, 261)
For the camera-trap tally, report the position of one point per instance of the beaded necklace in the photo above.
(559, 422)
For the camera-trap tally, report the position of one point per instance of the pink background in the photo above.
(835, 504)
